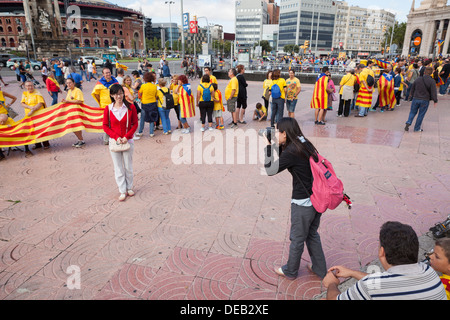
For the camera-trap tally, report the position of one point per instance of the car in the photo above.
(98, 61)
(4, 57)
(36, 65)
(64, 59)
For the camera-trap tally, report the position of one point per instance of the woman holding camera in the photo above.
(294, 153)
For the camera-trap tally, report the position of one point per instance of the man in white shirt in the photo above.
(404, 278)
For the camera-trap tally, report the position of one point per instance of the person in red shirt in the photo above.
(52, 87)
(120, 122)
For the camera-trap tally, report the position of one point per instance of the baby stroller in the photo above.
(32, 79)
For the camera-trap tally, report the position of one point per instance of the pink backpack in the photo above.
(327, 189)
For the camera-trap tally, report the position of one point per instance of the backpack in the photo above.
(206, 93)
(168, 102)
(327, 189)
(276, 91)
(370, 81)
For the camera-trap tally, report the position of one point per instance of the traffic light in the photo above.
(195, 18)
(306, 44)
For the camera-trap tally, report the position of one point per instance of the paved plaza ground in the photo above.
(208, 231)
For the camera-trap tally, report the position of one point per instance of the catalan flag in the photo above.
(51, 123)
(320, 95)
(119, 65)
(382, 64)
(186, 99)
(386, 91)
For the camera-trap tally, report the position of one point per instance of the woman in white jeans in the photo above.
(120, 122)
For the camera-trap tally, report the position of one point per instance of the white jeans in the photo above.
(123, 168)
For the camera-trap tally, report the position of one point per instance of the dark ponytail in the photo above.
(294, 136)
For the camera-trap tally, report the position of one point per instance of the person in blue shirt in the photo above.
(76, 77)
(166, 72)
(58, 73)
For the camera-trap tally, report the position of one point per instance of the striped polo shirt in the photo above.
(404, 282)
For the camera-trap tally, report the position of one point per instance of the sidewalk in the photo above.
(208, 232)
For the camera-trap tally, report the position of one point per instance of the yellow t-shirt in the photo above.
(213, 79)
(232, 85)
(32, 99)
(75, 94)
(217, 105)
(348, 80)
(2, 104)
(263, 109)
(292, 87)
(205, 85)
(174, 89)
(282, 84)
(161, 95)
(149, 92)
(103, 93)
(266, 85)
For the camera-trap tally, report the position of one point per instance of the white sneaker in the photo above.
(122, 197)
(210, 128)
(203, 129)
(136, 137)
(152, 135)
(138, 134)
(187, 130)
(130, 193)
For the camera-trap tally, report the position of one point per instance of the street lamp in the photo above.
(170, 20)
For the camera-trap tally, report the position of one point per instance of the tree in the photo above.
(398, 37)
(265, 46)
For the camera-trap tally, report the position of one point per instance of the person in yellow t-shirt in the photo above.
(440, 262)
(293, 88)
(163, 113)
(176, 98)
(32, 101)
(206, 107)
(218, 107)
(231, 93)
(4, 121)
(3, 105)
(266, 89)
(149, 106)
(212, 78)
(347, 84)
(75, 95)
(278, 97)
(260, 113)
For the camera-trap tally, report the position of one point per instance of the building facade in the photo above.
(427, 27)
(307, 20)
(102, 25)
(359, 31)
(251, 15)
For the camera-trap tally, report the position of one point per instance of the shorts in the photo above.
(231, 104)
(217, 113)
(242, 103)
(290, 105)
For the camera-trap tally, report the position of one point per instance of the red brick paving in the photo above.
(208, 232)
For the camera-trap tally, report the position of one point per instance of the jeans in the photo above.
(165, 120)
(418, 106)
(55, 98)
(277, 111)
(363, 111)
(123, 168)
(142, 120)
(444, 87)
(91, 76)
(83, 72)
(304, 225)
(290, 105)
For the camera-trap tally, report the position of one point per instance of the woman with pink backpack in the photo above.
(295, 152)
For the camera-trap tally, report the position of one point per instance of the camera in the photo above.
(427, 257)
(267, 132)
(441, 230)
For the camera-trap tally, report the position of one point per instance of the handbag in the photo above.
(114, 145)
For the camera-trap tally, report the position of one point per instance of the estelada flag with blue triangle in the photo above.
(381, 63)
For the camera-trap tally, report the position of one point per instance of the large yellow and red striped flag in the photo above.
(386, 91)
(320, 96)
(51, 123)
